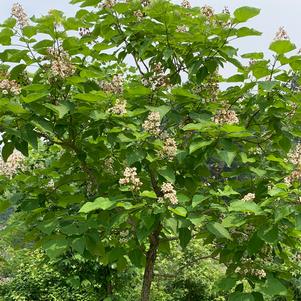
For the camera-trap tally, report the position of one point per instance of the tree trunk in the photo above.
(150, 263)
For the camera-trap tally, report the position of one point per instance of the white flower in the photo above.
(225, 117)
(152, 123)
(186, 4)
(294, 155)
(10, 86)
(130, 178)
(182, 28)
(169, 149)
(281, 34)
(249, 197)
(19, 13)
(119, 108)
(14, 163)
(169, 193)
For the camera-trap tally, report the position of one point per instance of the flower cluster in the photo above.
(169, 149)
(207, 11)
(50, 184)
(107, 4)
(84, 32)
(19, 13)
(9, 86)
(14, 163)
(139, 15)
(293, 177)
(152, 123)
(259, 273)
(294, 156)
(209, 90)
(119, 108)
(124, 236)
(225, 117)
(130, 178)
(249, 197)
(281, 34)
(169, 193)
(115, 86)
(157, 80)
(186, 4)
(61, 65)
(182, 28)
(145, 2)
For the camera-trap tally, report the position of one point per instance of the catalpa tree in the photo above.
(137, 146)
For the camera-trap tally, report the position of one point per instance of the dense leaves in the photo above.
(133, 145)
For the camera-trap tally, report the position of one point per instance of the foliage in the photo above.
(143, 155)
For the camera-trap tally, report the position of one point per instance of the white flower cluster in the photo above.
(139, 15)
(61, 65)
(9, 86)
(294, 155)
(145, 2)
(19, 13)
(169, 194)
(182, 28)
(249, 197)
(14, 163)
(130, 178)
(169, 149)
(152, 123)
(260, 273)
(225, 117)
(186, 4)
(281, 34)
(119, 107)
(124, 236)
(84, 32)
(107, 4)
(158, 79)
(226, 10)
(293, 177)
(207, 11)
(115, 86)
(50, 184)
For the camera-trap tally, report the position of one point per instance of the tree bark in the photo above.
(151, 255)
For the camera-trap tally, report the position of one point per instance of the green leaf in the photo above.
(195, 145)
(184, 236)
(245, 13)
(273, 287)
(269, 234)
(253, 55)
(227, 283)
(34, 97)
(4, 204)
(56, 247)
(198, 199)
(167, 173)
(99, 203)
(181, 211)
(95, 97)
(226, 156)
(79, 245)
(245, 206)
(163, 110)
(245, 32)
(241, 297)
(258, 171)
(149, 194)
(61, 110)
(282, 46)
(7, 150)
(218, 230)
